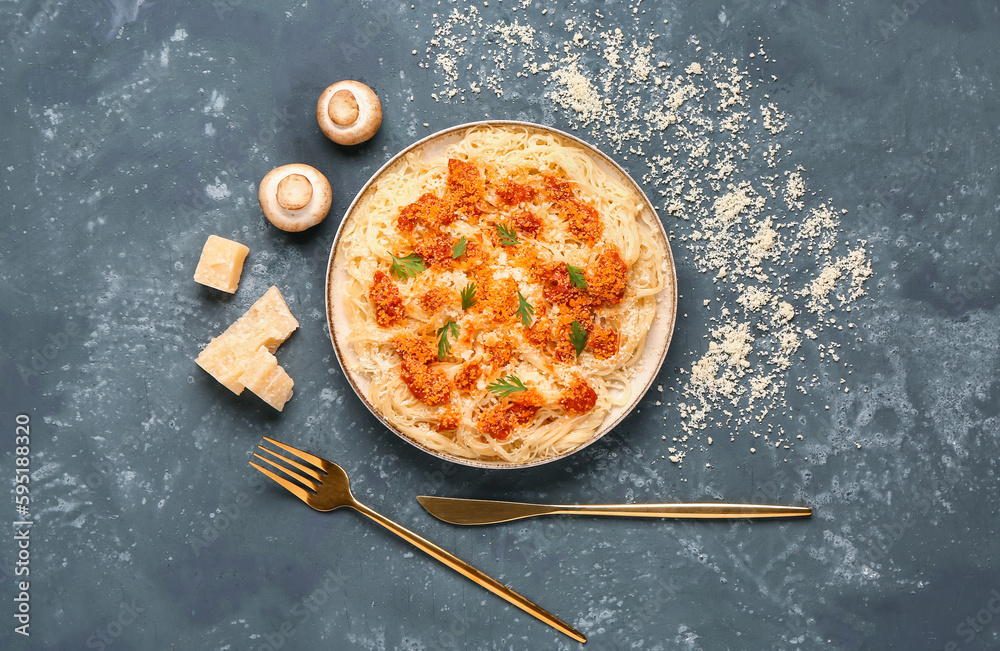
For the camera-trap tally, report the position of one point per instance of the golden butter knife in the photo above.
(463, 511)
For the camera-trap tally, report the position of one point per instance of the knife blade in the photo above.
(471, 512)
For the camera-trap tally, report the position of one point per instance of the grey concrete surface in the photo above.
(132, 130)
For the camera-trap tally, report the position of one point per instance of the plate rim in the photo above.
(605, 428)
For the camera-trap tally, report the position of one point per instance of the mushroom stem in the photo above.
(348, 112)
(294, 192)
(295, 197)
(343, 108)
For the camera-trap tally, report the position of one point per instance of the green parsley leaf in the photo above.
(469, 296)
(524, 310)
(409, 265)
(459, 248)
(508, 236)
(576, 276)
(578, 336)
(505, 387)
(443, 346)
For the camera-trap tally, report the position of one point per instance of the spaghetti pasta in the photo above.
(499, 293)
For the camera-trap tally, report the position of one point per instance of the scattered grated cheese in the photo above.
(743, 214)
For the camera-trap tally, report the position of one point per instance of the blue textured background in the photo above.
(147, 511)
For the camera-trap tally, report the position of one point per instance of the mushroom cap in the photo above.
(349, 112)
(295, 197)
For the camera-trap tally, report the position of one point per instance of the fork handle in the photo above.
(472, 573)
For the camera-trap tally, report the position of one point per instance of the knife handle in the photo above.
(703, 511)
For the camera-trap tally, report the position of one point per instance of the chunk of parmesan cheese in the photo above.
(267, 323)
(221, 263)
(268, 380)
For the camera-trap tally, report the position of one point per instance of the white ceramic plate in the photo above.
(657, 341)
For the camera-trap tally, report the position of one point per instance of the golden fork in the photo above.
(329, 489)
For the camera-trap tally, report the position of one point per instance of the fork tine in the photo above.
(309, 471)
(294, 489)
(308, 483)
(322, 464)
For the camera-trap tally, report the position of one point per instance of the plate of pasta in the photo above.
(501, 294)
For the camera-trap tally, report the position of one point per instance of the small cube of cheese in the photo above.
(267, 323)
(221, 264)
(268, 380)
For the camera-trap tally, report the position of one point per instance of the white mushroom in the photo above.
(349, 112)
(295, 197)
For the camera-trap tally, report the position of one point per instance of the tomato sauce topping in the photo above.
(449, 420)
(557, 189)
(539, 332)
(514, 411)
(429, 209)
(499, 353)
(558, 288)
(493, 315)
(387, 300)
(432, 300)
(579, 398)
(435, 249)
(563, 350)
(584, 222)
(582, 314)
(497, 299)
(512, 193)
(604, 342)
(465, 187)
(606, 283)
(475, 256)
(427, 384)
(528, 222)
(468, 376)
